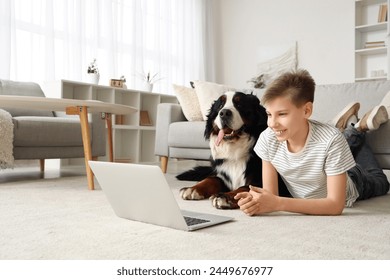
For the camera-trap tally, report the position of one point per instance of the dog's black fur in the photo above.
(234, 164)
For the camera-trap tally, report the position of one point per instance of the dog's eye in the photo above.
(222, 101)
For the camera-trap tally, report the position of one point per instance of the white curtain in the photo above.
(44, 40)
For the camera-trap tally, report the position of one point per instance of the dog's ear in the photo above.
(262, 115)
(213, 113)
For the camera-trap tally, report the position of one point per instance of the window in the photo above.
(51, 40)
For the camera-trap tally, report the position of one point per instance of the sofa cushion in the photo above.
(189, 102)
(23, 89)
(187, 135)
(47, 131)
(329, 100)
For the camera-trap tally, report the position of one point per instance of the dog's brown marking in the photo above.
(213, 188)
(203, 189)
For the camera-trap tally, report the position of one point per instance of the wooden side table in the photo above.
(74, 107)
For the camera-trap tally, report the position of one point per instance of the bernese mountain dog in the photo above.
(233, 125)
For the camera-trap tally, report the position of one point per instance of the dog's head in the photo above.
(233, 114)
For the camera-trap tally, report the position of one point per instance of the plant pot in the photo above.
(148, 87)
(93, 78)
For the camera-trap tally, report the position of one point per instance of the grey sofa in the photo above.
(46, 134)
(178, 138)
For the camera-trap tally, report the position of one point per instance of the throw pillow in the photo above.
(189, 102)
(386, 102)
(207, 93)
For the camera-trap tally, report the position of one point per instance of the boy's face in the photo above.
(288, 121)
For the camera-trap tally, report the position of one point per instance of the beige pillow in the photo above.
(189, 102)
(207, 93)
(386, 102)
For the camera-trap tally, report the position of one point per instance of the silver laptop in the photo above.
(141, 193)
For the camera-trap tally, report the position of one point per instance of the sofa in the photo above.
(45, 134)
(176, 137)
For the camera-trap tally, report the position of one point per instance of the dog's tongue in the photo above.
(220, 136)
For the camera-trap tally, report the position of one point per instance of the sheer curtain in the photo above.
(45, 40)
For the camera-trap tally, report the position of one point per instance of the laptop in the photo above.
(141, 193)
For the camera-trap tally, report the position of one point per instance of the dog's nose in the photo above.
(225, 113)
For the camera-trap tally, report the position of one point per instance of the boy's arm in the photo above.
(270, 177)
(267, 200)
(333, 204)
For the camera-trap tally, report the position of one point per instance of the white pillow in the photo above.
(207, 93)
(386, 102)
(189, 102)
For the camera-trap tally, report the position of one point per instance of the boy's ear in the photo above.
(308, 107)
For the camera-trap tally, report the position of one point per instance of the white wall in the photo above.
(323, 29)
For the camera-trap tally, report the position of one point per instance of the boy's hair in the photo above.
(298, 85)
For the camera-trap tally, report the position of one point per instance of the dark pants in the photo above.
(367, 175)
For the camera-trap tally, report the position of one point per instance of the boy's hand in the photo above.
(257, 201)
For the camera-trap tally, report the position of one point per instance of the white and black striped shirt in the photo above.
(326, 153)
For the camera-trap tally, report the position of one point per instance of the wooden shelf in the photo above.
(372, 51)
(380, 78)
(371, 26)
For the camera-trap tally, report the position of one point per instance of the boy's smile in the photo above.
(279, 132)
(289, 122)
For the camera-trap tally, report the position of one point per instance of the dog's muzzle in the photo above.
(226, 117)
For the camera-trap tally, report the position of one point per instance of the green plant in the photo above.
(92, 67)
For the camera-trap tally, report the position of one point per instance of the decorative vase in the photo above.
(148, 87)
(93, 78)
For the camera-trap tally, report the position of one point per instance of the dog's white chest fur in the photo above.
(235, 156)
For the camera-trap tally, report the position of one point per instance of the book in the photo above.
(374, 44)
(382, 14)
(144, 118)
(119, 119)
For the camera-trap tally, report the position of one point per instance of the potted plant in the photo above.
(93, 72)
(149, 79)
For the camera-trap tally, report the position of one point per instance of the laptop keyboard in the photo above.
(194, 221)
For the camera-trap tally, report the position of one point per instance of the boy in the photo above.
(313, 158)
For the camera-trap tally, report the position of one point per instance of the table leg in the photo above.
(107, 117)
(83, 114)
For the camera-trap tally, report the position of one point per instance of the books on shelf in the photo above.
(144, 118)
(382, 14)
(374, 44)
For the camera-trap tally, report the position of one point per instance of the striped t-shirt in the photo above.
(326, 153)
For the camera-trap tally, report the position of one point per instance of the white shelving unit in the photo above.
(371, 63)
(132, 142)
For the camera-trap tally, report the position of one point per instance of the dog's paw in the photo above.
(190, 194)
(221, 201)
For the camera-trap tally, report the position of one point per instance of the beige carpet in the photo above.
(58, 218)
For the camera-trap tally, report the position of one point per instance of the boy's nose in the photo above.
(271, 122)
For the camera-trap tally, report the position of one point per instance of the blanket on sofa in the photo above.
(6, 140)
